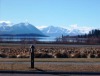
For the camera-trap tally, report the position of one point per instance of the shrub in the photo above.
(3, 55)
(13, 56)
(45, 55)
(92, 56)
(37, 55)
(61, 55)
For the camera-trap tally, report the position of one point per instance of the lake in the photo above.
(30, 38)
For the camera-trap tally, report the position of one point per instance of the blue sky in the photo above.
(52, 12)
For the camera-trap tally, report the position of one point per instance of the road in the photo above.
(27, 75)
(43, 75)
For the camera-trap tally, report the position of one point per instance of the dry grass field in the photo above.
(16, 65)
(69, 68)
(50, 59)
(57, 53)
(51, 67)
(50, 51)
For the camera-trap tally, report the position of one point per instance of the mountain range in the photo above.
(59, 31)
(20, 29)
(27, 28)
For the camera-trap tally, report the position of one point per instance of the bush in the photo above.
(37, 55)
(45, 55)
(3, 55)
(83, 56)
(63, 55)
(92, 56)
(12, 56)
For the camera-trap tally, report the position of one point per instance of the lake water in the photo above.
(19, 38)
(47, 38)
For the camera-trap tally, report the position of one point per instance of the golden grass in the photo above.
(49, 67)
(15, 66)
(50, 59)
(52, 67)
(15, 59)
(67, 59)
(69, 68)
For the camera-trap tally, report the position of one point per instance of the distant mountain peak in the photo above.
(20, 28)
(24, 23)
(27, 28)
(5, 23)
(59, 31)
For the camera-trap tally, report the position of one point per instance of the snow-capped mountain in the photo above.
(19, 29)
(59, 31)
(4, 26)
(52, 31)
(25, 28)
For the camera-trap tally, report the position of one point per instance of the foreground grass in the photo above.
(67, 60)
(69, 67)
(50, 59)
(51, 67)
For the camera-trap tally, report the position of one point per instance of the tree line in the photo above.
(93, 37)
(94, 33)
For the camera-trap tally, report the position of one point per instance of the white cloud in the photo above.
(84, 29)
(75, 26)
(7, 22)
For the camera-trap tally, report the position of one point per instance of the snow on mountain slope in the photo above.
(21, 28)
(59, 31)
(54, 31)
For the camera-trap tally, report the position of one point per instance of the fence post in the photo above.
(32, 56)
